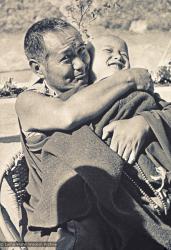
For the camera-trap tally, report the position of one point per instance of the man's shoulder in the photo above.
(38, 87)
(26, 96)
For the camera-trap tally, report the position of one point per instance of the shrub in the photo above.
(163, 75)
(10, 89)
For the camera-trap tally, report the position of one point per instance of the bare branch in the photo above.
(83, 13)
(92, 20)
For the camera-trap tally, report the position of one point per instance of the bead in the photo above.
(158, 195)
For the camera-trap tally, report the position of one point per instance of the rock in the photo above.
(138, 26)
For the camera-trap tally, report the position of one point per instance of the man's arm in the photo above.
(38, 112)
(131, 135)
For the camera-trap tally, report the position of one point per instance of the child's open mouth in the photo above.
(116, 65)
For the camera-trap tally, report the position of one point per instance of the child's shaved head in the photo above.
(111, 53)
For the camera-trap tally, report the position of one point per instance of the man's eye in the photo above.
(65, 59)
(81, 51)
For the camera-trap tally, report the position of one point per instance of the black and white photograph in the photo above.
(85, 125)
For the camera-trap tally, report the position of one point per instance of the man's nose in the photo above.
(78, 64)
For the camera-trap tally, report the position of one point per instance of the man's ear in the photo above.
(37, 68)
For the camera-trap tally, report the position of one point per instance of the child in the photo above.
(110, 54)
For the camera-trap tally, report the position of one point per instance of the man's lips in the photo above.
(78, 79)
(80, 76)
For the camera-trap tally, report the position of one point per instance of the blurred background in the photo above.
(144, 24)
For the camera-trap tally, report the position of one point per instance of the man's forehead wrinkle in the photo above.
(73, 37)
(69, 46)
(52, 40)
(65, 49)
(70, 32)
(62, 40)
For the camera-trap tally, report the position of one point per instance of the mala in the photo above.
(160, 195)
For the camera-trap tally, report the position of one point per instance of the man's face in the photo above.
(111, 54)
(67, 61)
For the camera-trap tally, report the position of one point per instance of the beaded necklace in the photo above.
(160, 195)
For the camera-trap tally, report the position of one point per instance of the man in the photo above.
(57, 54)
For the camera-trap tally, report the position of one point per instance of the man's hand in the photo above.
(142, 79)
(128, 136)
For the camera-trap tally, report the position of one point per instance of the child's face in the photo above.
(111, 54)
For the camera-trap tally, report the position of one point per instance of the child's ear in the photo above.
(36, 67)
